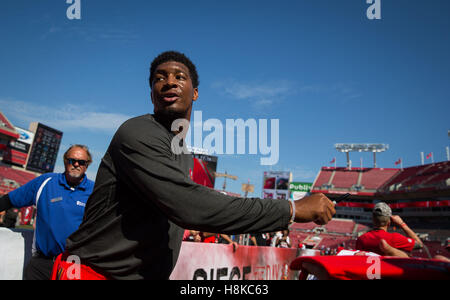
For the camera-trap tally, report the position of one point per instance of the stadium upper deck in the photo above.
(419, 193)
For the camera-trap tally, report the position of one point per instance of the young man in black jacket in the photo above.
(144, 197)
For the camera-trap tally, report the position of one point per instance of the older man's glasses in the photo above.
(81, 162)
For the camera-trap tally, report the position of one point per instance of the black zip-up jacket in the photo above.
(144, 197)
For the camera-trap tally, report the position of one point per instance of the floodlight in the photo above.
(353, 147)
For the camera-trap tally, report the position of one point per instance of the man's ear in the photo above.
(195, 97)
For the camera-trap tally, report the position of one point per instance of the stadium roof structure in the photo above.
(7, 129)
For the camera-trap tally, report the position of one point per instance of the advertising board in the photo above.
(276, 184)
(299, 190)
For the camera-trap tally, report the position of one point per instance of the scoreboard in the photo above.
(204, 169)
(44, 149)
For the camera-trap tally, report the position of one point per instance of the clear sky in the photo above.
(321, 67)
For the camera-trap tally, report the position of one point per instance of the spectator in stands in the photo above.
(192, 236)
(283, 241)
(204, 237)
(208, 237)
(382, 218)
(275, 237)
(147, 165)
(60, 200)
(259, 239)
(226, 239)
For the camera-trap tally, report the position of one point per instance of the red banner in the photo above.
(201, 261)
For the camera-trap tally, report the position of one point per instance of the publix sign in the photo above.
(299, 190)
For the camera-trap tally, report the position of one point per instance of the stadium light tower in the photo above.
(374, 148)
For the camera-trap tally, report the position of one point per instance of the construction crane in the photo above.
(248, 188)
(225, 176)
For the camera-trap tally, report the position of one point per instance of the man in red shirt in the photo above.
(382, 218)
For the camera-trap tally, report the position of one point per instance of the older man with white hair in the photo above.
(60, 200)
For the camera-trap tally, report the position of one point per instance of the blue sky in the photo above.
(322, 68)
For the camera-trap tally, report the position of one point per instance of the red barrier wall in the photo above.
(203, 261)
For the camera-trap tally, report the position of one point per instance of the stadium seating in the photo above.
(434, 248)
(332, 241)
(365, 180)
(375, 178)
(417, 178)
(10, 179)
(345, 179)
(336, 233)
(361, 228)
(304, 226)
(340, 226)
(7, 185)
(324, 177)
(297, 238)
(19, 176)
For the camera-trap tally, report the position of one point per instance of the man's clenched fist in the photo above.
(316, 208)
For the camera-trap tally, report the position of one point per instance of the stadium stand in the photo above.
(344, 178)
(332, 241)
(368, 181)
(360, 228)
(335, 226)
(11, 178)
(304, 226)
(324, 177)
(337, 233)
(363, 181)
(340, 226)
(419, 178)
(374, 178)
(434, 248)
(419, 194)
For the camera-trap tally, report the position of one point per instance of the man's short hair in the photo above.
(380, 221)
(177, 57)
(85, 148)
